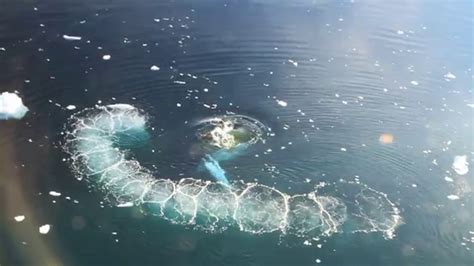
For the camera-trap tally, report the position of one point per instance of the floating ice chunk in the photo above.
(453, 197)
(448, 179)
(106, 57)
(44, 229)
(179, 82)
(343, 149)
(11, 106)
(318, 261)
(19, 218)
(293, 62)
(178, 104)
(54, 193)
(460, 164)
(3, 49)
(400, 32)
(414, 82)
(154, 68)
(449, 76)
(71, 107)
(71, 38)
(282, 103)
(156, 20)
(125, 205)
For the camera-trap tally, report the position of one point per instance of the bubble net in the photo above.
(97, 142)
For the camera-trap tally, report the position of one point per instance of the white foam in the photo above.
(72, 38)
(11, 106)
(460, 164)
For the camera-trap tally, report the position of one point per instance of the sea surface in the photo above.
(375, 91)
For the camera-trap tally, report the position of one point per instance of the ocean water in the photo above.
(378, 92)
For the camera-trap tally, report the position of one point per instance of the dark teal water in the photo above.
(349, 72)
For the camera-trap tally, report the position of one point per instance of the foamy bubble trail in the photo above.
(97, 140)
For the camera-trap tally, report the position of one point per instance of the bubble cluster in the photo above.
(97, 143)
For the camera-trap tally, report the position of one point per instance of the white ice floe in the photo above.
(72, 38)
(293, 62)
(460, 164)
(71, 107)
(54, 193)
(414, 82)
(449, 76)
(44, 229)
(154, 68)
(125, 205)
(282, 103)
(106, 57)
(11, 106)
(453, 197)
(19, 218)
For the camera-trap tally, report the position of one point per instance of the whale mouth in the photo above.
(229, 131)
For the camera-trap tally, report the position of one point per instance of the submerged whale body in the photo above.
(96, 156)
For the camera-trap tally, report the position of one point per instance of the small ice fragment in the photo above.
(319, 245)
(179, 82)
(71, 107)
(54, 193)
(11, 106)
(19, 218)
(344, 102)
(449, 76)
(414, 82)
(318, 261)
(400, 32)
(343, 149)
(106, 57)
(413, 185)
(307, 243)
(72, 38)
(453, 197)
(156, 20)
(178, 104)
(125, 205)
(44, 229)
(154, 68)
(3, 49)
(282, 103)
(293, 62)
(460, 164)
(448, 179)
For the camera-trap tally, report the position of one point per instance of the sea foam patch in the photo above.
(11, 106)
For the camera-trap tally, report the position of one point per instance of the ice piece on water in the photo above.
(453, 197)
(125, 205)
(460, 164)
(71, 107)
(106, 57)
(44, 229)
(449, 76)
(11, 106)
(282, 103)
(54, 193)
(71, 38)
(154, 68)
(414, 82)
(293, 62)
(448, 179)
(19, 218)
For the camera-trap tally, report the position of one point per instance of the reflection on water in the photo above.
(378, 92)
